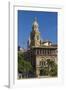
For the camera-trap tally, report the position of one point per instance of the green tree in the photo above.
(44, 71)
(53, 71)
(52, 68)
(23, 65)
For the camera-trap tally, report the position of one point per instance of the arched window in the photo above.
(42, 63)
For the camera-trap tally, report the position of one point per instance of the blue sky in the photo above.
(47, 26)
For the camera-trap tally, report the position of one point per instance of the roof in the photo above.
(45, 46)
(46, 41)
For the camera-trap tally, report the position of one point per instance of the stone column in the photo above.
(37, 72)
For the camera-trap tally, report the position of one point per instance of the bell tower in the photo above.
(35, 34)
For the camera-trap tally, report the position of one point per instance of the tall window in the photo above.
(40, 51)
(42, 63)
(43, 51)
(48, 51)
(37, 52)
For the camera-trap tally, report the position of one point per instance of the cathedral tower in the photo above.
(35, 34)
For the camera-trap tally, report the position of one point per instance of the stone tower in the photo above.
(35, 34)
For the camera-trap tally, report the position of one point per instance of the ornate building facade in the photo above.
(40, 52)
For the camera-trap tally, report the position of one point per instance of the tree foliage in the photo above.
(23, 65)
(50, 70)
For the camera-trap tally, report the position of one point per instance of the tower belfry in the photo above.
(35, 34)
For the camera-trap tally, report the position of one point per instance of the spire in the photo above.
(35, 25)
(29, 40)
(35, 19)
(28, 43)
